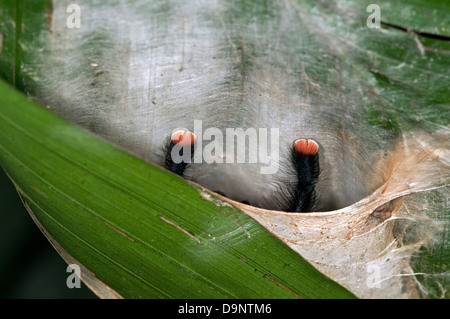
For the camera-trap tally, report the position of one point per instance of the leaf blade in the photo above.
(91, 207)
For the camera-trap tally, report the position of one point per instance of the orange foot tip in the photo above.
(184, 137)
(306, 147)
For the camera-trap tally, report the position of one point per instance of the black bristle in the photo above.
(177, 168)
(307, 169)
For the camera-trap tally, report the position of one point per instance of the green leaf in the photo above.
(404, 84)
(141, 230)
